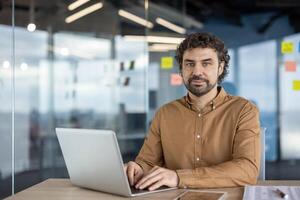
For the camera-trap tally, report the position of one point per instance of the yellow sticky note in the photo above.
(296, 85)
(287, 47)
(167, 62)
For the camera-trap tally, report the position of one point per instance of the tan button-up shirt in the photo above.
(218, 146)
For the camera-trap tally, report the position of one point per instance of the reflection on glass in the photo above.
(258, 84)
(289, 99)
(75, 72)
(5, 111)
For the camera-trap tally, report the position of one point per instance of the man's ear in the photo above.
(221, 68)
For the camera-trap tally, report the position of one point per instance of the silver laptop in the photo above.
(94, 161)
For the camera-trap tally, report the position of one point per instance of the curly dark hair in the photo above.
(204, 40)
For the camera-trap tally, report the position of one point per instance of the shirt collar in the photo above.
(219, 99)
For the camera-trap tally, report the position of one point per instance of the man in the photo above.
(205, 139)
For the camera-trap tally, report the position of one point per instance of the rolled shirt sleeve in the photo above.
(151, 153)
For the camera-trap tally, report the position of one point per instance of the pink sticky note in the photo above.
(176, 79)
(290, 66)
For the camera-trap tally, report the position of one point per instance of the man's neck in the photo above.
(202, 101)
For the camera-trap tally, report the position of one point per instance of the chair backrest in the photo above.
(262, 170)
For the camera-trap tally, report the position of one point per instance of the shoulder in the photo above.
(246, 110)
(242, 103)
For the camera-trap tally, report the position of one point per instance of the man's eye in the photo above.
(189, 64)
(205, 64)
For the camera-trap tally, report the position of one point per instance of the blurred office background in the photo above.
(111, 65)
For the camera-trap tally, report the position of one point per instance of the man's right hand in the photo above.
(134, 172)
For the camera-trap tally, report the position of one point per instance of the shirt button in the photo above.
(198, 136)
(197, 159)
(199, 115)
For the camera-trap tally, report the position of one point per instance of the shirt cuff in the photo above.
(143, 165)
(183, 176)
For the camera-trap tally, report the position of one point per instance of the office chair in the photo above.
(262, 169)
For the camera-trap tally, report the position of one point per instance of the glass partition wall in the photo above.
(6, 116)
(7, 93)
(80, 64)
(73, 67)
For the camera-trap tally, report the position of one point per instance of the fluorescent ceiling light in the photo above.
(170, 25)
(84, 12)
(154, 39)
(76, 4)
(158, 39)
(162, 47)
(135, 18)
(135, 38)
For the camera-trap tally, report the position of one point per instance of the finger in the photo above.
(156, 185)
(130, 174)
(145, 178)
(153, 169)
(125, 168)
(137, 177)
(150, 181)
(152, 172)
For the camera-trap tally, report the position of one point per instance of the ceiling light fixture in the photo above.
(6, 64)
(84, 12)
(154, 39)
(24, 66)
(170, 25)
(135, 18)
(31, 26)
(162, 47)
(76, 4)
(64, 51)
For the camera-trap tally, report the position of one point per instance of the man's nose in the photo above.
(198, 70)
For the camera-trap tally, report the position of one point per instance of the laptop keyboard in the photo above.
(138, 191)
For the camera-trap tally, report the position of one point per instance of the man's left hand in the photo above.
(157, 177)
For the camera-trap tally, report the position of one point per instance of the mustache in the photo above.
(198, 78)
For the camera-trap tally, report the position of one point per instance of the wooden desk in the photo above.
(62, 189)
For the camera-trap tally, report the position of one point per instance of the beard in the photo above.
(199, 90)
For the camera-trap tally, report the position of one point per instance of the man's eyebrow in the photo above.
(189, 60)
(208, 59)
(204, 60)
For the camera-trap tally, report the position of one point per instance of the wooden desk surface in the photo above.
(62, 189)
